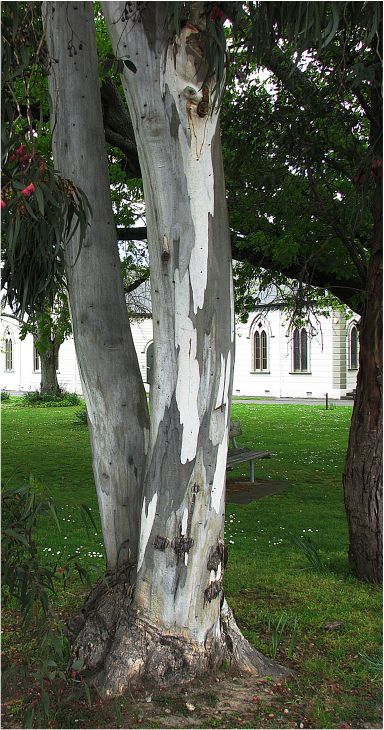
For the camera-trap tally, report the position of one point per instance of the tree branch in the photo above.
(128, 288)
(131, 234)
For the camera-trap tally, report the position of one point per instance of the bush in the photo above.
(35, 398)
(5, 396)
(29, 582)
(81, 417)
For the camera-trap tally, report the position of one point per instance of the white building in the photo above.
(270, 361)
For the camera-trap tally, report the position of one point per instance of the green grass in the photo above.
(323, 623)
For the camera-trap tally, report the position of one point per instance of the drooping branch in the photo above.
(349, 291)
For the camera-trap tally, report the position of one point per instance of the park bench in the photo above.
(239, 455)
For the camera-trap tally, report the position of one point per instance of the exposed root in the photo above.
(118, 648)
(241, 655)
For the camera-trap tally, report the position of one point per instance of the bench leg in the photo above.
(252, 471)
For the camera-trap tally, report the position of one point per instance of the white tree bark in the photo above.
(109, 370)
(177, 623)
(181, 553)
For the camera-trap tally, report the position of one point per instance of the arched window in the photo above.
(36, 359)
(353, 348)
(260, 349)
(300, 350)
(8, 352)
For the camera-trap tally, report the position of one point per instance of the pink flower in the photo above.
(28, 190)
(21, 150)
(3, 205)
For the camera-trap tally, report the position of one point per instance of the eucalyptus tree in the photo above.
(160, 481)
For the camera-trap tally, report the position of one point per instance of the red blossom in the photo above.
(3, 205)
(21, 150)
(28, 190)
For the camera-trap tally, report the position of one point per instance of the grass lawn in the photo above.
(311, 616)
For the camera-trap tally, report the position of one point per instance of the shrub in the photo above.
(35, 398)
(5, 396)
(31, 583)
(81, 417)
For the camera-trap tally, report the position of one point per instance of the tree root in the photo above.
(118, 648)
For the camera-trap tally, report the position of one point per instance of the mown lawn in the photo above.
(312, 616)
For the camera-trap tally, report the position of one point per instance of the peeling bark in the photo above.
(174, 624)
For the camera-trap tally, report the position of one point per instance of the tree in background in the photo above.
(304, 176)
(49, 328)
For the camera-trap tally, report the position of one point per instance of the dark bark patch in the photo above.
(214, 589)
(160, 542)
(181, 545)
(217, 555)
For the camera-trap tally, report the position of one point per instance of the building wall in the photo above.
(328, 370)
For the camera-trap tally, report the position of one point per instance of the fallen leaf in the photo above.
(190, 706)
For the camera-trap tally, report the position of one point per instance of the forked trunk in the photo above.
(175, 624)
(178, 625)
(111, 380)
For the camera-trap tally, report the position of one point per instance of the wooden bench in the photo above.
(240, 456)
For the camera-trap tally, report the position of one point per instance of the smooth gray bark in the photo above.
(109, 369)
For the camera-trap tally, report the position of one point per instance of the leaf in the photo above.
(28, 717)
(129, 64)
(40, 199)
(77, 664)
(54, 515)
(85, 513)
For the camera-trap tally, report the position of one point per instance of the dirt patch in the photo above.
(243, 491)
(224, 701)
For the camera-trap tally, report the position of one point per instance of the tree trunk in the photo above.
(363, 483)
(178, 624)
(48, 360)
(109, 370)
(363, 477)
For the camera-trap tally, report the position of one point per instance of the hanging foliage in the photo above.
(41, 211)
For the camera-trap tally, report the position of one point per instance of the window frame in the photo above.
(36, 358)
(353, 366)
(260, 347)
(8, 352)
(300, 351)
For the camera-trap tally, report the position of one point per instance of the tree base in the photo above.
(119, 649)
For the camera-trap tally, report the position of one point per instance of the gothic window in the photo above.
(260, 349)
(8, 352)
(36, 359)
(300, 350)
(353, 348)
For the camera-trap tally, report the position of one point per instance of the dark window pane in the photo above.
(264, 350)
(304, 350)
(257, 352)
(296, 350)
(353, 349)
(8, 354)
(150, 363)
